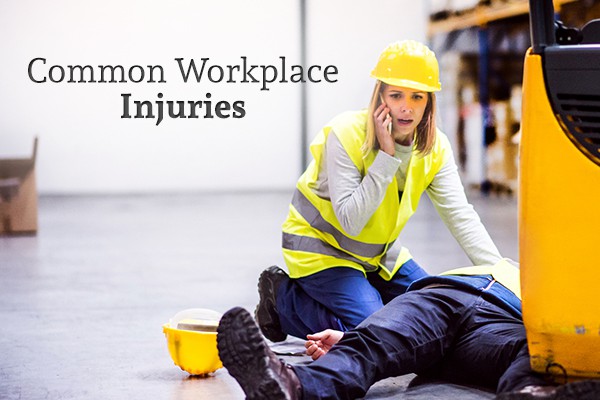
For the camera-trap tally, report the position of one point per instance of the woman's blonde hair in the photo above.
(425, 135)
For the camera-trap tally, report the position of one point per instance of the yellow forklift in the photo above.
(559, 196)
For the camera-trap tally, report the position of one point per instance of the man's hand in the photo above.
(320, 343)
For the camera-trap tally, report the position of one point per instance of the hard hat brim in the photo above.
(410, 84)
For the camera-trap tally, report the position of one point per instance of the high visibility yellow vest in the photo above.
(503, 271)
(314, 240)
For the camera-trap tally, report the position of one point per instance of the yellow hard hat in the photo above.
(192, 340)
(409, 64)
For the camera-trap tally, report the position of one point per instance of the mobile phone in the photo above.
(389, 127)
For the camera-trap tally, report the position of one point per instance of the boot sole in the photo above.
(271, 329)
(245, 355)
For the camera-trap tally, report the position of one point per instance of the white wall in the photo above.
(85, 147)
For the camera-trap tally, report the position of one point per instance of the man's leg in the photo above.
(490, 350)
(410, 334)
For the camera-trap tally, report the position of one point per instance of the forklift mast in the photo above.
(559, 193)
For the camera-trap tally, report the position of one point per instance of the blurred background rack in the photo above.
(481, 47)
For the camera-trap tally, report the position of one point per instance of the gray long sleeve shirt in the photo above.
(355, 198)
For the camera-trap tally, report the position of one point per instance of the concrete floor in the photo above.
(82, 302)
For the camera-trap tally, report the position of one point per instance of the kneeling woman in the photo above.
(369, 170)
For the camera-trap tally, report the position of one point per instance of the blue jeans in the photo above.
(338, 298)
(449, 333)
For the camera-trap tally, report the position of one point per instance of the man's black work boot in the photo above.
(251, 362)
(266, 314)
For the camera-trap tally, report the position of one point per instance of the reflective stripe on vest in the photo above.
(314, 245)
(310, 213)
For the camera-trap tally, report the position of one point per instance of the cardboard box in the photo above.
(18, 195)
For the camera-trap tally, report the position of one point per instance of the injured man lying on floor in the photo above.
(464, 326)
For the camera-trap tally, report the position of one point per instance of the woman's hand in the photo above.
(320, 343)
(382, 120)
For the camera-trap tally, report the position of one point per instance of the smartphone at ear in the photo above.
(389, 127)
